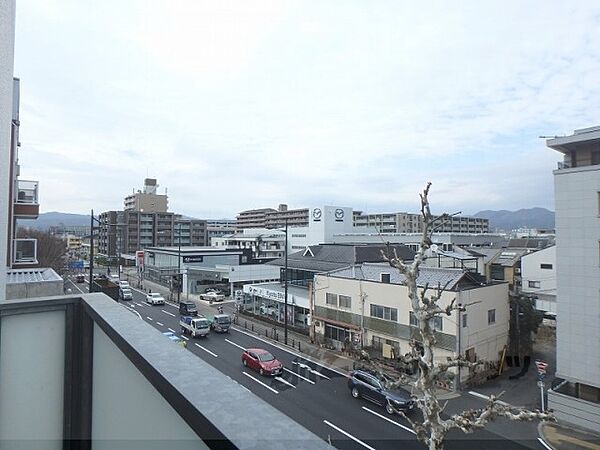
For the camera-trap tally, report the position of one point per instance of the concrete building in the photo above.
(403, 222)
(7, 43)
(367, 304)
(73, 242)
(538, 278)
(147, 200)
(272, 218)
(203, 267)
(445, 241)
(265, 244)
(577, 197)
(219, 227)
(74, 230)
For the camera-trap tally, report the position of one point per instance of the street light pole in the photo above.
(91, 251)
(179, 261)
(285, 321)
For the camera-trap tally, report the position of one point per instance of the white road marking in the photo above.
(299, 376)
(544, 444)
(171, 330)
(138, 314)
(304, 366)
(281, 380)
(159, 323)
(345, 433)
(339, 372)
(149, 318)
(260, 382)
(389, 420)
(167, 312)
(233, 343)
(485, 397)
(207, 351)
(77, 287)
(186, 338)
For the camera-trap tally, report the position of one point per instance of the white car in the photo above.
(154, 298)
(212, 296)
(123, 284)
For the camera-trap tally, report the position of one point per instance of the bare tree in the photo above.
(51, 250)
(433, 429)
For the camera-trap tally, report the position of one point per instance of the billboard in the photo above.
(139, 259)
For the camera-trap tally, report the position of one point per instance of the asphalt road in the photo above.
(315, 396)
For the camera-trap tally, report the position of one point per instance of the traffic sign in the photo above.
(541, 366)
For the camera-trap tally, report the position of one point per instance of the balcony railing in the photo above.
(25, 251)
(99, 367)
(27, 192)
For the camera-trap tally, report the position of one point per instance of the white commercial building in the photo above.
(538, 275)
(323, 223)
(368, 304)
(265, 244)
(577, 197)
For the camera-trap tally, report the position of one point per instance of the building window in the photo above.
(345, 301)
(336, 333)
(491, 316)
(546, 266)
(437, 323)
(464, 320)
(534, 284)
(595, 158)
(412, 319)
(383, 312)
(385, 278)
(331, 299)
(497, 272)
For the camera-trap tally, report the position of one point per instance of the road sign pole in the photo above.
(542, 395)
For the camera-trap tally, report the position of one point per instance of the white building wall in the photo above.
(531, 271)
(578, 276)
(7, 41)
(323, 223)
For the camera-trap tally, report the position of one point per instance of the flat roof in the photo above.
(582, 135)
(35, 275)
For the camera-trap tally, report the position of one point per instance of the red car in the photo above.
(262, 361)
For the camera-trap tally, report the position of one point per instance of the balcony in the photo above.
(26, 204)
(92, 367)
(24, 252)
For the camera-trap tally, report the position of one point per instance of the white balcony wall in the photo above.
(127, 411)
(32, 364)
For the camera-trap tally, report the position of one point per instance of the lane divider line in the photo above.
(261, 383)
(544, 444)
(299, 376)
(485, 397)
(281, 380)
(233, 343)
(160, 323)
(339, 372)
(167, 312)
(171, 330)
(410, 430)
(345, 433)
(185, 337)
(149, 318)
(311, 370)
(133, 310)
(207, 351)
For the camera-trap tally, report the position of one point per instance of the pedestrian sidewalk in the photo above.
(562, 437)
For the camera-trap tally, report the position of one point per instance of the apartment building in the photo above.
(538, 278)
(403, 222)
(265, 244)
(147, 200)
(272, 218)
(219, 227)
(368, 305)
(577, 197)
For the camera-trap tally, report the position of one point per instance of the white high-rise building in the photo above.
(577, 192)
(7, 47)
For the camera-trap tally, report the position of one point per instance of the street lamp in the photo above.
(285, 322)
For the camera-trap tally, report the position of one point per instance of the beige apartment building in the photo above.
(368, 305)
(272, 218)
(147, 200)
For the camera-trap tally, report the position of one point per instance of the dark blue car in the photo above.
(363, 384)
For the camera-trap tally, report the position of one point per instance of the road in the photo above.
(313, 395)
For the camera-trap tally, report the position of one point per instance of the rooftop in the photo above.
(35, 275)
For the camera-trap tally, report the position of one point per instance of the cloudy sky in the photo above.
(235, 105)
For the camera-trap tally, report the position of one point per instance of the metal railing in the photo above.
(27, 192)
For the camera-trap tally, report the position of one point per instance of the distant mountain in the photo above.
(46, 220)
(523, 218)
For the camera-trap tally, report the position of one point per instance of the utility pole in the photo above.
(179, 260)
(285, 311)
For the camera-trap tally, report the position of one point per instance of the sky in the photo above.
(239, 105)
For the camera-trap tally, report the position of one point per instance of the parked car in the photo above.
(262, 361)
(80, 278)
(363, 384)
(154, 298)
(216, 291)
(187, 308)
(212, 296)
(220, 323)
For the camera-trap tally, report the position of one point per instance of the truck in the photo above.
(125, 293)
(106, 286)
(195, 326)
(212, 297)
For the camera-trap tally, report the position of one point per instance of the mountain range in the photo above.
(523, 218)
(54, 218)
